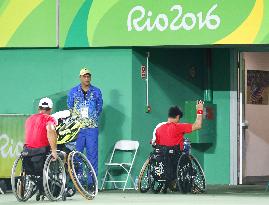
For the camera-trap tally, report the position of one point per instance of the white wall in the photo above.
(257, 134)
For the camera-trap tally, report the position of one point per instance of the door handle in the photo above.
(245, 124)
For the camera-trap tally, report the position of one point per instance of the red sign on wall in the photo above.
(209, 113)
(143, 72)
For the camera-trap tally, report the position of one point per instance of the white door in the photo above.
(254, 117)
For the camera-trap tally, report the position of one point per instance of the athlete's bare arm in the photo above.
(199, 118)
(52, 138)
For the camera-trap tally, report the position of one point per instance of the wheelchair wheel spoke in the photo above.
(199, 185)
(82, 175)
(55, 179)
(184, 174)
(22, 186)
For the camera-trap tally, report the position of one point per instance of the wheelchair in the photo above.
(39, 174)
(186, 174)
(80, 170)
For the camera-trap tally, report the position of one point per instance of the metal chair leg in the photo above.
(267, 187)
(104, 179)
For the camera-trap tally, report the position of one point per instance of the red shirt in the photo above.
(171, 134)
(35, 130)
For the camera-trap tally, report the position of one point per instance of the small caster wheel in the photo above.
(64, 196)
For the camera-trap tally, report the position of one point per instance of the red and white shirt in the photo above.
(35, 130)
(171, 134)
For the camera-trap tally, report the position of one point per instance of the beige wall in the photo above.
(257, 134)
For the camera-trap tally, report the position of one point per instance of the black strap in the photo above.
(29, 152)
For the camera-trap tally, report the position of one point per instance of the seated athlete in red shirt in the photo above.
(40, 128)
(40, 138)
(168, 138)
(171, 133)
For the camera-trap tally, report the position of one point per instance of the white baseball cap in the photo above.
(45, 103)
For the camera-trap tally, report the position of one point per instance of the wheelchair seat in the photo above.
(163, 162)
(33, 160)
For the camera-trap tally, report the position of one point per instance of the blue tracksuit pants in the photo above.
(88, 138)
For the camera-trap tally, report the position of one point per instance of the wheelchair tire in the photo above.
(199, 182)
(54, 178)
(184, 170)
(22, 186)
(78, 162)
(156, 186)
(144, 178)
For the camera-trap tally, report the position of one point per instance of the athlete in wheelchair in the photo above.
(38, 169)
(171, 165)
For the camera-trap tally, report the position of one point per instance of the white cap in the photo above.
(45, 103)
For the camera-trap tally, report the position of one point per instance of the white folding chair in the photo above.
(124, 146)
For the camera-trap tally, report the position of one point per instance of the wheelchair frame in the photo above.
(190, 176)
(28, 182)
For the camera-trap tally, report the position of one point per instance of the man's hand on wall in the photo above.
(200, 105)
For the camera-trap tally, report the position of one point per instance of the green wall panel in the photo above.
(217, 157)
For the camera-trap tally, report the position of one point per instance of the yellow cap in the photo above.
(84, 71)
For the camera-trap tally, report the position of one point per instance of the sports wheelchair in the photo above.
(80, 170)
(35, 171)
(27, 179)
(170, 168)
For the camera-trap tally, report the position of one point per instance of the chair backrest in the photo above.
(126, 145)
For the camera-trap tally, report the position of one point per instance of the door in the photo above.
(254, 117)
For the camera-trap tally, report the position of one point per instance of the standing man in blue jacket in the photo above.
(86, 101)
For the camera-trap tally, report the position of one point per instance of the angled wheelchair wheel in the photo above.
(156, 185)
(82, 175)
(144, 178)
(54, 178)
(184, 173)
(23, 185)
(199, 182)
